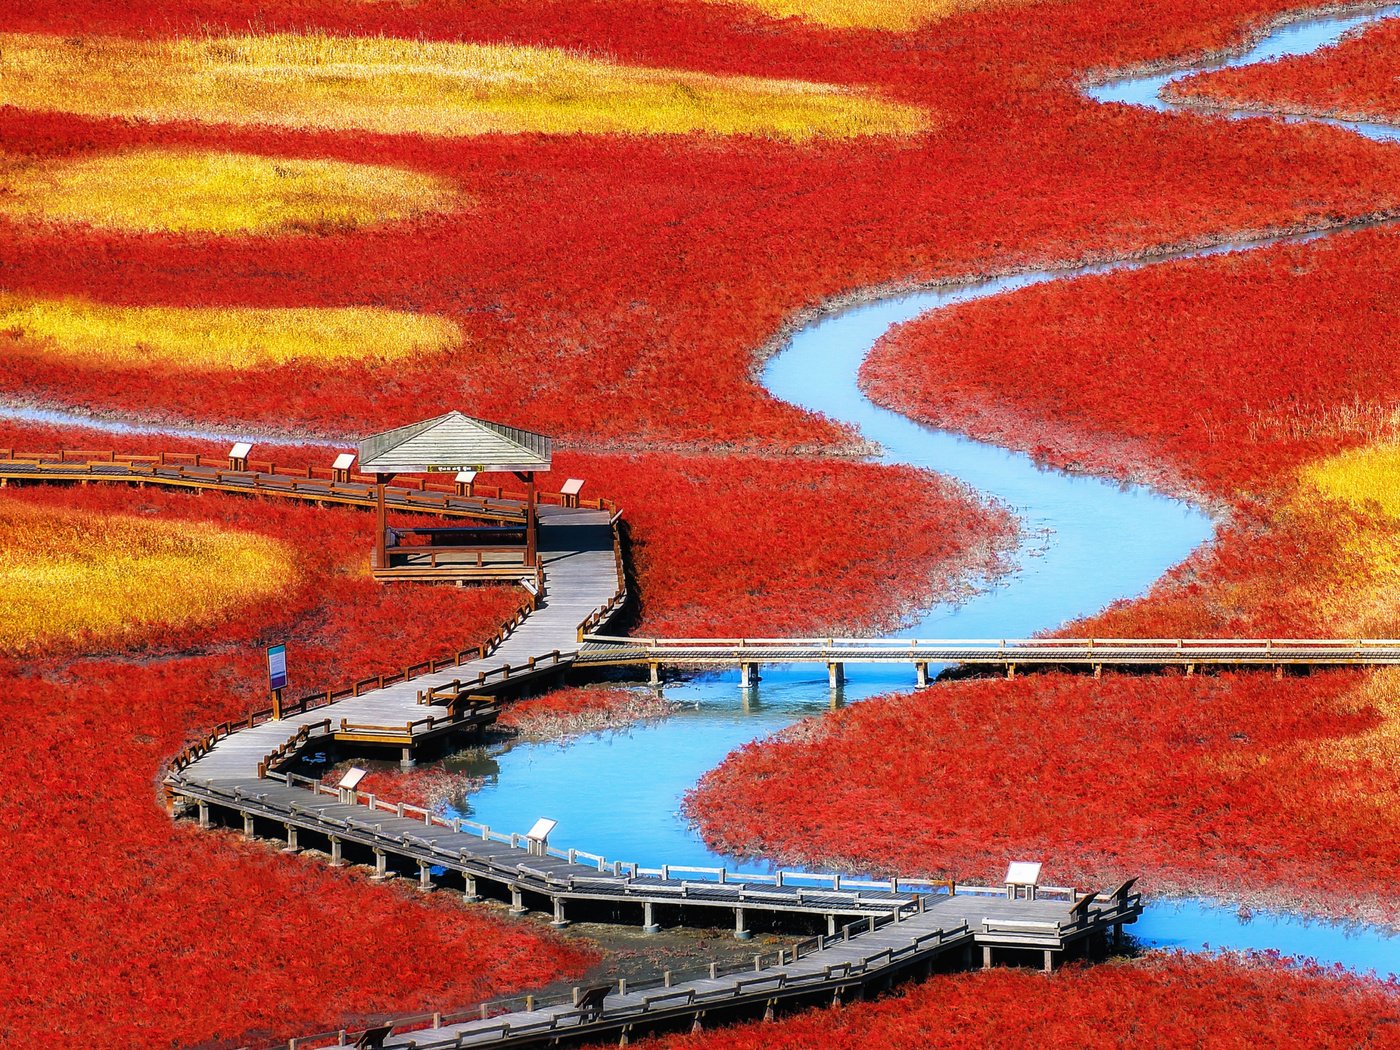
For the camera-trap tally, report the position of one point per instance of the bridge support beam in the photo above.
(740, 930)
(469, 893)
(831, 925)
(748, 675)
(649, 923)
(406, 759)
(248, 825)
(655, 674)
(517, 902)
(425, 875)
(986, 956)
(203, 814)
(1049, 961)
(381, 864)
(921, 673)
(292, 846)
(337, 857)
(836, 675)
(1010, 672)
(559, 922)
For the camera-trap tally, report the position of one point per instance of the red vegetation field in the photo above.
(1261, 361)
(614, 291)
(600, 304)
(1229, 1003)
(1238, 787)
(743, 545)
(568, 712)
(127, 919)
(704, 533)
(1357, 79)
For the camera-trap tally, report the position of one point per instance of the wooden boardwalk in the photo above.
(1189, 654)
(873, 931)
(947, 933)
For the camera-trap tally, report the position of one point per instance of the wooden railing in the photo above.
(281, 479)
(660, 995)
(602, 615)
(328, 697)
(1175, 650)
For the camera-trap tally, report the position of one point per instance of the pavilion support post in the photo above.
(921, 668)
(381, 524)
(836, 675)
(532, 523)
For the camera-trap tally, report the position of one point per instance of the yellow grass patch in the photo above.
(71, 577)
(201, 191)
(408, 86)
(897, 15)
(1365, 477)
(1368, 603)
(214, 338)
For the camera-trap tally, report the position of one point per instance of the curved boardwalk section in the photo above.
(871, 932)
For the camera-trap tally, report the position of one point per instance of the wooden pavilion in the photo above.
(457, 444)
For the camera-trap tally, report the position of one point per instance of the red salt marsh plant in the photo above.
(147, 931)
(1356, 79)
(570, 712)
(692, 266)
(1168, 1001)
(702, 531)
(1237, 786)
(1267, 359)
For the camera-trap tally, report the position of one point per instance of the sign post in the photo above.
(277, 676)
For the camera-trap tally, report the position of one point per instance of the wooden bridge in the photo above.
(748, 654)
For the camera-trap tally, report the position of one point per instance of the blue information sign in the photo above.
(276, 666)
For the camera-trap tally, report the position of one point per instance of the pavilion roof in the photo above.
(453, 442)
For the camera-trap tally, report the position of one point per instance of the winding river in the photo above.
(1088, 542)
(1069, 522)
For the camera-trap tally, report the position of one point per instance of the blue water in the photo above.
(1087, 542)
(1296, 38)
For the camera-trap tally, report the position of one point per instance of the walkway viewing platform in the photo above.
(942, 933)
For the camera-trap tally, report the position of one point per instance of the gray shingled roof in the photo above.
(453, 442)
